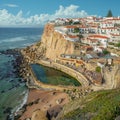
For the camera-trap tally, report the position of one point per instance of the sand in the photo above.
(51, 101)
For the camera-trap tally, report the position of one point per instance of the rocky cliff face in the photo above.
(54, 43)
(111, 76)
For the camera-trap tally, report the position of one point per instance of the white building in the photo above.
(101, 38)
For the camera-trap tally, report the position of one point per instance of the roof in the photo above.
(93, 40)
(68, 59)
(109, 28)
(87, 47)
(70, 26)
(79, 61)
(99, 36)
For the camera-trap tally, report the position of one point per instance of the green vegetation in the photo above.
(105, 52)
(109, 14)
(111, 43)
(80, 37)
(76, 30)
(76, 23)
(70, 22)
(102, 105)
(98, 69)
(114, 44)
(117, 45)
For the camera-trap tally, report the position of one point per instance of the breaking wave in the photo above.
(16, 39)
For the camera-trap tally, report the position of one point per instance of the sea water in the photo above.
(52, 76)
(13, 93)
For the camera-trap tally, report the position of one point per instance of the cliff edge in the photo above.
(52, 45)
(55, 43)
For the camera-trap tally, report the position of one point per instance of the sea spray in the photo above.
(20, 106)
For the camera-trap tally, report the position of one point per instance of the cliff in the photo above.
(55, 43)
(111, 75)
(52, 44)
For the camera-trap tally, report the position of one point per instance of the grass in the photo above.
(102, 105)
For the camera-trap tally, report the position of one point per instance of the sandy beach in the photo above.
(50, 102)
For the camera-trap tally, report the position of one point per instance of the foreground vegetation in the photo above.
(102, 105)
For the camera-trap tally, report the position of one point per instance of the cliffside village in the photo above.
(96, 44)
(96, 47)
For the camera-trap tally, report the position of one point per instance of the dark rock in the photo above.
(2, 91)
(7, 110)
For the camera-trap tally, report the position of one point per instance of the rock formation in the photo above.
(111, 76)
(52, 44)
(39, 115)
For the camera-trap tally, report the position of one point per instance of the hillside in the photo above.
(102, 105)
(53, 44)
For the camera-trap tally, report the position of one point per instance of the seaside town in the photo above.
(87, 49)
(96, 44)
(96, 48)
(59, 61)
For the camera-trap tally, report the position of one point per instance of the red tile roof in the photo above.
(98, 36)
(71, 26)
(79, 62)
(87, 47)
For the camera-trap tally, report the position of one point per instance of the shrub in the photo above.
(117, 45)
(98, 69)
(105, 52)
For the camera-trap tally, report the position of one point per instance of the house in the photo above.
(73, 38)
(101, 38)
(59, 21)
(84, 29)
(108, 30)
(71, 59)
(101, 62)
(115, 38)
(98, 49)
(115, 20)
(89, 41)
(85, 49)
(106, 25)
(70, 28)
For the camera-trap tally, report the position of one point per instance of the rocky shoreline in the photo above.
(21, 67)
(16, 64)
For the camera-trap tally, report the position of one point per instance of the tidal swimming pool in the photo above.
(52, 76)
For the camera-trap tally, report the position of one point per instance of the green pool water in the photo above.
(52, 76)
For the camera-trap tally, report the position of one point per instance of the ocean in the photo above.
(13, 93)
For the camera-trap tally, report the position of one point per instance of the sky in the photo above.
(35, 13)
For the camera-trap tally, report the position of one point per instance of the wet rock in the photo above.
(2, 91)
(7, 110)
